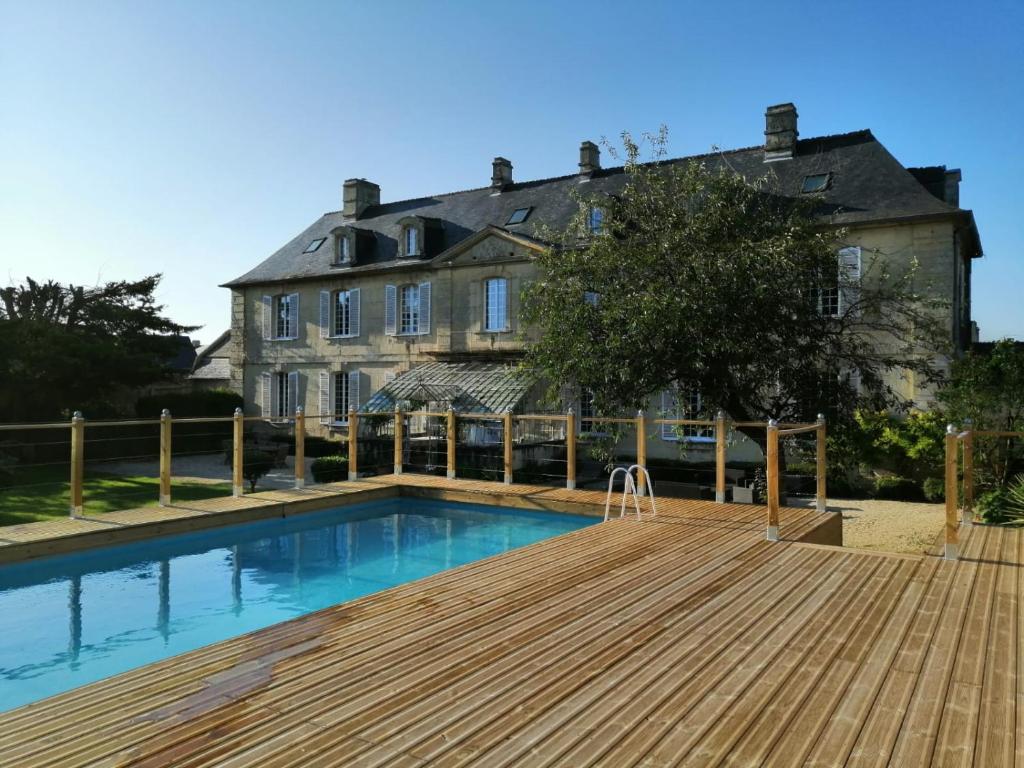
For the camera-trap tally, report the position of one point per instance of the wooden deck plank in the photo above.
(681, 639)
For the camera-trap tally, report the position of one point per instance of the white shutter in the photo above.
(268, 317)
(293, 394)
(293, 315)
(669, 408)
(325, 314)
(325, 397)
(266, 395)
(353, 312)
(849, 279)
(390, 310)
(353, 390)
(424, 309)
(855, 380)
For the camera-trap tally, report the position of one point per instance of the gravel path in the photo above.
(209, 468)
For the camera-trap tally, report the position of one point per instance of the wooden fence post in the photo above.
(450, 429)
(399, 425)
(165, 458)
(300, 448)
(238, 434)
(969, 471)
(570, 450)
(720, 457)
(820, 456)
(507, 423)
(952, 534)
(773, 480)
(353, 444)
(641, 451)
(77, 462)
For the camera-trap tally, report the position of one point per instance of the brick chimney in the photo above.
(780, 132)
(590, 158)
(501, 173)
(357, 196)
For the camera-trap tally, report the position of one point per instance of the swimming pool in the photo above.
(73, 619)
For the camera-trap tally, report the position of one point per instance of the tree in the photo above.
(67, 347)
(256, 464)
(987, 387)
(709, 281)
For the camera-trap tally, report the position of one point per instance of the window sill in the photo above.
(344, 336)
(495, 332)
(694, 440)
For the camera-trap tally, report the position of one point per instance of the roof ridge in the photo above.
(614, 169)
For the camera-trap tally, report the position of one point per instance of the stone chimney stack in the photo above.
(780, 132)
(590, 158)
(357, 196)
(952, 187)
(501, 173)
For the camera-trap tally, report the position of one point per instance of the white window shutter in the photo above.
(390, 310)
(849, 279)
(266, 395)
(293, 394)
(855, 380)
(325, 314)
(353, 390)
(293, 315)
(268, 318)
(324, 403)
(353, 312)
(424, 309)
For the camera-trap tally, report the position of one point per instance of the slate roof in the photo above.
(868, 185)
(212, 361)
(475, 387)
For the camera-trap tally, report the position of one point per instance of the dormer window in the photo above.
(412, 240)
(344, 250)
(351, 244)
(595, 220)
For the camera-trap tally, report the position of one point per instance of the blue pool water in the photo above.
(69, 620)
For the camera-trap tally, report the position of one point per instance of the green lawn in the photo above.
(42, 494)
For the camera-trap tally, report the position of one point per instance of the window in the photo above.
(839, 292)
(591, 297)
(285, 308)
(595, 220)
(342, 313)
(409, 309)
(496, 304)
(281, 396)
(314, 244)
(412, 241)
(341, 397)
(817, 182)
(587, 412)
(686, 404)
(344, 250)
(828, 300)
(518, 216)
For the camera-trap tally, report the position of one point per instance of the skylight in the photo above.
(817, 182)
(314, 244)
(518, 216)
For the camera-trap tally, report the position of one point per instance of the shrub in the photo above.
(1015, 500)
(935, 489)
(330, 469)
(992, 506)
(256, 464)
(845, 486)
(898, 489)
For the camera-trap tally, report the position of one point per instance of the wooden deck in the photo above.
(682, 640)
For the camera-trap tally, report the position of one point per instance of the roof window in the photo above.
(817, 182)
(314, 244)
(518, 216)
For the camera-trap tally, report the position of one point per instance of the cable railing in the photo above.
(169, 460)
(960, 479)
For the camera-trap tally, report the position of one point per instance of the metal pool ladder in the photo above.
(629, 487)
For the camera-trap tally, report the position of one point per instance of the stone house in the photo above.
(364, 296)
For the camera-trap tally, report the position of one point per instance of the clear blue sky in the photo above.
(194, 138)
